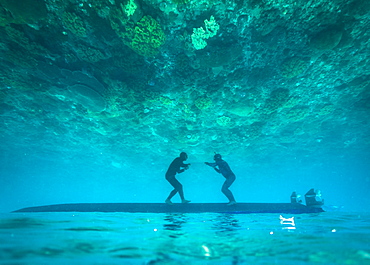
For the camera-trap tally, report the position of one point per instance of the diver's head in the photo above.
(217, 157)
(183, 156)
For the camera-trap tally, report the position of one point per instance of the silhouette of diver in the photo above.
(223, 168)
(177, 166)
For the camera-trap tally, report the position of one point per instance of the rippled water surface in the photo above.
(121, 238)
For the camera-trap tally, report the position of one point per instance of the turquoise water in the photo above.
(123, 238)
(98, 97)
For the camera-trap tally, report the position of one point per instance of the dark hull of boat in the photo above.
(240, 208)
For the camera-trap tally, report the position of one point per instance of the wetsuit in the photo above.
(173, 169)
(225, 170)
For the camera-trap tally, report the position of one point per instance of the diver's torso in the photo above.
(225, 169)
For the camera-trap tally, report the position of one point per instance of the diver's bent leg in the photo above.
(178, 188)
(180, 191)
(173, 193)
(225, 189)
(228, 194)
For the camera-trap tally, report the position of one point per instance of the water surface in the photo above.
(124, 238)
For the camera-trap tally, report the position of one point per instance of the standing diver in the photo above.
(225, 170)
(177, 166)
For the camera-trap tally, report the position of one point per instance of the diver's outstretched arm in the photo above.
(210, 164)
(213, 165)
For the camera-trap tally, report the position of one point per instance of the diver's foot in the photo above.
(231, 203)
(168, 202)
(185, 201)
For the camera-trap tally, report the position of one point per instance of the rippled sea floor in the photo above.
(122, 238)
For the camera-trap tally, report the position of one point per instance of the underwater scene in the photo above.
(185, 102)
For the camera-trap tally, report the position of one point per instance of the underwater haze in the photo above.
(98, 97)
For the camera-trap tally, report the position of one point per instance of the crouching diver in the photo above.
(177, 166)
(223, 168)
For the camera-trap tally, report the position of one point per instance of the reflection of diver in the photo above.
(177, 166)
(227, 223)
(222, 167)
(174, 223)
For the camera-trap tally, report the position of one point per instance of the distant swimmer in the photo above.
(177, 166)
(223, 168)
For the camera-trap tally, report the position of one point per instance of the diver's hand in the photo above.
(206, 163)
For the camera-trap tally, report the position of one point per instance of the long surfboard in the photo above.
(239, 208)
